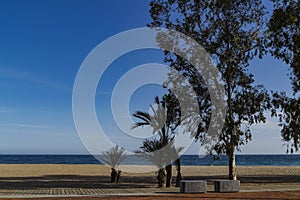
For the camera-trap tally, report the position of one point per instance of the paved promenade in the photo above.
(84, 192)
(140, 193)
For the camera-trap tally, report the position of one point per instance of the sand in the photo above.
(29, 170)
(245, 174)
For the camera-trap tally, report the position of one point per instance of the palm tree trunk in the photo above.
(178, 176)
(118, 176)
(113, 175)
(169, 175)
(161, 177)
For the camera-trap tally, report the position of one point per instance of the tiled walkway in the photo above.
(106, 192)
(84, 192)
(134, 194)
(52, 192)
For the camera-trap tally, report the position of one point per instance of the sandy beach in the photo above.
(43, 176)
(28, 170)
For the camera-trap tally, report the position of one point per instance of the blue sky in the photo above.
(43, 44)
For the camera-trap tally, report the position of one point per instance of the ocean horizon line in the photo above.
(75, 154)
(186, 160)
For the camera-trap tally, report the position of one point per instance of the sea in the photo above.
(186, 160)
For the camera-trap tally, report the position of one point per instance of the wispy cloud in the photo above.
(34, 126)
(34, 78)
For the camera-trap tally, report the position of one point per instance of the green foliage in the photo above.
(287, 109)
(160, 153)
(284, 36)
(164, 119)
(284, 42)
(232, 32)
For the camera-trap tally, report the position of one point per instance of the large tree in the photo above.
(284, 42)
(232, 32)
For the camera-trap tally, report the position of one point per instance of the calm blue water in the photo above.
(241, 160)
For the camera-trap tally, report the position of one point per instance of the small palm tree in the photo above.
(164, 120)
(150, 151)
(113, 157)
(162, 155)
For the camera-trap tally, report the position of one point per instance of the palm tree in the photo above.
(164, 121)
(113, 157)
(150, 151)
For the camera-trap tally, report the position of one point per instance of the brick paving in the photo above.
(139, 193)
(164, 196)
(83, 192)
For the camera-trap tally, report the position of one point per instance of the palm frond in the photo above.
(139, 124)
(114, 156)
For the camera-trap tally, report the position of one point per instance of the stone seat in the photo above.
(193, 186)
(223, 185)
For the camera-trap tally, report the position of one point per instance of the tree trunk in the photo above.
(169, 175)
(161, 177)
(118, 176)
(113, 175)
(232, 166)
(178, 176)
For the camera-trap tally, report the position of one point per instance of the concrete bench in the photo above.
(227, 185)
(192, 186)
